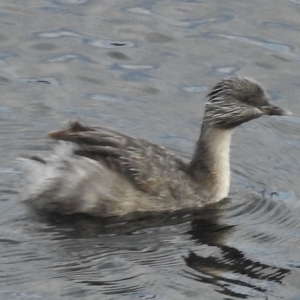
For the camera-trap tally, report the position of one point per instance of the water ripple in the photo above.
(185, 23)
(107, 43)
(118, 66)
(225, 70)
(62, 33)
(198, 22)
(60, 10)
(72, 57)
(195, 89)
(271, 46)
(106, 98)
(71, 2)
(103, 43)
(289, 26)
(46, 80)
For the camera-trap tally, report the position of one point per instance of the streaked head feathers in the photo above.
(236, 100)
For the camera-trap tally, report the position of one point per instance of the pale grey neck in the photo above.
(210, 165)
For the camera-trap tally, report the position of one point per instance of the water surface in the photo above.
(144, 67)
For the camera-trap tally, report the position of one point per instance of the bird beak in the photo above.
(272, 110)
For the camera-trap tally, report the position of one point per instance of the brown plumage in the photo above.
(106, 173)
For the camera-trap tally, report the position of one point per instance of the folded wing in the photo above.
(151, 168)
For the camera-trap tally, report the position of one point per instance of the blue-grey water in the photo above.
(144, 67)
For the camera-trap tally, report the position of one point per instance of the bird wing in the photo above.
(148, 166)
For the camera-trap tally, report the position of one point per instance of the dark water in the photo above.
(143, 67)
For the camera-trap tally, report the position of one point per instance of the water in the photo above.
(144, 67)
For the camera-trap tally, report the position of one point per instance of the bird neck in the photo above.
(210, 165)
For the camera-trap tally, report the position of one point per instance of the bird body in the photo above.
(104, 173)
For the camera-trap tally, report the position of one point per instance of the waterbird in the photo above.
(104, 173)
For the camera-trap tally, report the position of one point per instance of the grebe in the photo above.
(104, 173)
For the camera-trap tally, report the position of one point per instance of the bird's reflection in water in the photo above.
(230, 268)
